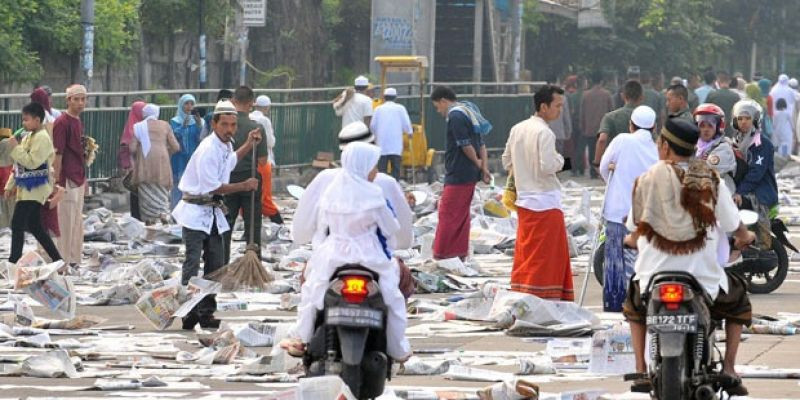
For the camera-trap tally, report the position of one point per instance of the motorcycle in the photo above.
(764, 270)
(684, 362)
(350, 333)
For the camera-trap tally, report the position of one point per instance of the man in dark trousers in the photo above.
(243, 100)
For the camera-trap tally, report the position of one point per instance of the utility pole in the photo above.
(477, 45)
(243, 55)
(516, 35)
(202, 44)
(87, 53)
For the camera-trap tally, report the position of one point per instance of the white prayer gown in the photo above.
(347, 222)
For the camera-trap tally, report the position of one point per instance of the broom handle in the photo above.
(253, 195)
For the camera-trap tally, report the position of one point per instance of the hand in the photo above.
(612, 166)
(740, 241)
(254, 136)
(412, 201)
(486, 176)
(630, 241)
(250, 184)
(737, 198)
(198, 120)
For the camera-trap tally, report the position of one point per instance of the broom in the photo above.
(246, 273)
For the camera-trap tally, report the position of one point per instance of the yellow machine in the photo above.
(415, 151)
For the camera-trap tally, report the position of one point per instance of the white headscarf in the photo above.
(150, 111)
(781, 90)
(351, 191)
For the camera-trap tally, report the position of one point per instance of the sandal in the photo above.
(642, 385)
(732, 385)
(295, 347)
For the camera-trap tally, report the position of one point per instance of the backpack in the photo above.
(480, 125)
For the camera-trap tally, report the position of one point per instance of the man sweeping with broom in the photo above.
(201, 212)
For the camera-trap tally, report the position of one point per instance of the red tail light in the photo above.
(354, 289)
(671, 295)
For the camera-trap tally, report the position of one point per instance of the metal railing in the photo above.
(305, 128)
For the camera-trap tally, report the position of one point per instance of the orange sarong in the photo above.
(541, 256)
(268, 207)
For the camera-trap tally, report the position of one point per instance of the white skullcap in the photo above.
(783, 78)
(390, 92)
(263, 101)
(224, 107)
(793, 82)
(643, 117)
(362, 81)
(355, 132)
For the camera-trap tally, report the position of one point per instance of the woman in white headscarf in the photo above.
(783, 105)
(353, 224)
(153, 143)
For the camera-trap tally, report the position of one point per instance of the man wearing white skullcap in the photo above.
(268, 207)
(389, 123)
(201, 211)
(628, 156)
(354, 104)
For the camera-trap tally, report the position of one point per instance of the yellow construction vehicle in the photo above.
(416, 154)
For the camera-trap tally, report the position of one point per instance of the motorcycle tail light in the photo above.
(354, 289)
(671, 295)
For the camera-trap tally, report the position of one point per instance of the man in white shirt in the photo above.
(389, 122)
(677, 207)
(200, 211)
(268, 207)
(627, 156)
(541, 256)
(354, 105)
(302, 225)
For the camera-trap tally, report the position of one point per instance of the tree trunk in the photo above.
(171, 63)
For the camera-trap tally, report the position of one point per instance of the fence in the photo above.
(302, 129)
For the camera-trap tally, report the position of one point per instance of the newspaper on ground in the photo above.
(50, 289)
(515, 389)
(612, 352)
(160, 304)
(53, 364)
(198, 289)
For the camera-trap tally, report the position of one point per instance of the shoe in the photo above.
(732, 385)
(642, 386)
(295, 347)
(277, 219)
(209, 323)
(189, 322)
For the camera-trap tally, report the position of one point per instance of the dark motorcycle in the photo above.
(683, 359)
(350, 334)
(765, 270)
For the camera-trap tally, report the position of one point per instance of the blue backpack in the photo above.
(481, 125)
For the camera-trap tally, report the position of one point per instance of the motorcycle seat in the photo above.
(355, 269)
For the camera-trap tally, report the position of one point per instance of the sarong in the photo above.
(541, 256)
(154, 201)
(268, 207)
(452, 232)
(618, 267)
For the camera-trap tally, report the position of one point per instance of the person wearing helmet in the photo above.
(757, 189)
(713, 146)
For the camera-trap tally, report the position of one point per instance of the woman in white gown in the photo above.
(353, 224)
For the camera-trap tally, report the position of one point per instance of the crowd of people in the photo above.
(677, 162)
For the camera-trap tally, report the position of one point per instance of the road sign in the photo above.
(255, 12)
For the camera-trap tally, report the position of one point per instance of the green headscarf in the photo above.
(754, 92)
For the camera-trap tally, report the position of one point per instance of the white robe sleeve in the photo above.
(609, 156)
(387, 223)
(305, 219)
(405, 236)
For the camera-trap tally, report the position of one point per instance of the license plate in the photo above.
(354, 317)
(672, 323)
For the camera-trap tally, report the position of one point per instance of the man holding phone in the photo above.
(541, 256)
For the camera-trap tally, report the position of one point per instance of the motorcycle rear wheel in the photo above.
(671, 379)
(598, 263)
(774, 278)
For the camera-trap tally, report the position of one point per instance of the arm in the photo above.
(172, 144)
(609, 157)
(727, 160)
(405, 236)
(506, 157)
(253, 138)
(600, 148)
(38, 153)
(756, 170)
(407, 127)
(472, 155)
(304, 223)
(550, 161)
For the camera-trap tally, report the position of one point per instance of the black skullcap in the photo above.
(681, 133)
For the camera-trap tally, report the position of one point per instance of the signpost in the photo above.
(254, 14)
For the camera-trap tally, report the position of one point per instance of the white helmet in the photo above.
(747, 107)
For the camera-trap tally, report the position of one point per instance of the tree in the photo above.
(17, 61)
